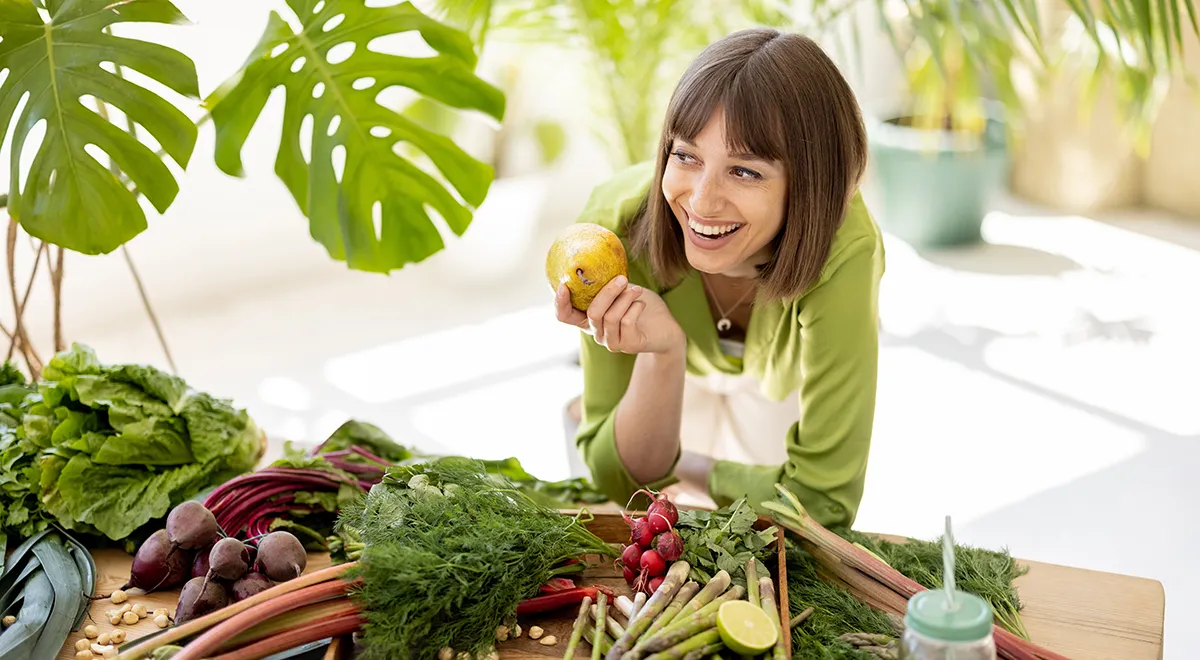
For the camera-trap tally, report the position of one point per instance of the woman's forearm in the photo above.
(649, 415)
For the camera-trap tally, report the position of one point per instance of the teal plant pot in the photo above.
(935, 186)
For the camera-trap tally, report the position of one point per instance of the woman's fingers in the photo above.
(616, 312)
(629, 322)
(600, 304)
(567, 313)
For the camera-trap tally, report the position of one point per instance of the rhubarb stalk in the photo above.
(203, 623)
(292, 638)
(214, 637)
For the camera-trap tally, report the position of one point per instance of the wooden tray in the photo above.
(611, 528)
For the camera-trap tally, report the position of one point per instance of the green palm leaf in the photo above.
(374, 215)
(67, 197)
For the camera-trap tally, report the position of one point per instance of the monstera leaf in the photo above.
(67, 197)
(373, 214)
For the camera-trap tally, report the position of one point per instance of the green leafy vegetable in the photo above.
(105, 449)
(372, 211)
(835, 612)
(724, 539)
(67, 197)
(449, 552)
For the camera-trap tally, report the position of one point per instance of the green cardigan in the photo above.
(824, 344)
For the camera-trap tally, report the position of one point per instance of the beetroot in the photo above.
(281, 556)
(250, 584)
(669, 546)
(653, 564)
(191, 526)
(229, 559)
(199, 597)
(157, 566)
(200, 563)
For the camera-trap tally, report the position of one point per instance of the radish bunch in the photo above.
(653, 544)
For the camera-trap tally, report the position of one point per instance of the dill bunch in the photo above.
(835, 612)
(988, 574)
(449, 552)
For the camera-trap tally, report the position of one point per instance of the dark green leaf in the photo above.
(67, 197)
(37, 599)
(341, 100)
(68, 594)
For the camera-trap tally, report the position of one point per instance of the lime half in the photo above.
(745, 628)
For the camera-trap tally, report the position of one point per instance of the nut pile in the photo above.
(104, 644)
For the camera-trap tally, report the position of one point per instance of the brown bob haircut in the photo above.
(785, 100)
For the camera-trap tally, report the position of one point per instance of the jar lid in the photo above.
(930, 614)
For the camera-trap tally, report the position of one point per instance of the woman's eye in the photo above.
(682, 157)
(744, 173)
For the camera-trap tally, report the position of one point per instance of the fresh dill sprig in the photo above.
(449, 552)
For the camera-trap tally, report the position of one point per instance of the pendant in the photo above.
(724, 325)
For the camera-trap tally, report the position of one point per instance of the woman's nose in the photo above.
(707, 198)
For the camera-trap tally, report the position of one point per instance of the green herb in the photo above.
(724, 539)
(449, 552)
(835, 612)
(986, 573)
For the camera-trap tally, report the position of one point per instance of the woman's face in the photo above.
(730, 206)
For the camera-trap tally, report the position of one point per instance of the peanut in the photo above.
(82, 645)
(118, 597)
(548, 640)
(535, 632)
(129, 618)
(91, 632)
(162, 621)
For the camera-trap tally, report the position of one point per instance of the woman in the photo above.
(754, 277)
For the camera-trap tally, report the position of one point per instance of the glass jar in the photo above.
(936, 630)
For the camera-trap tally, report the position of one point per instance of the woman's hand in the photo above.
(624, 318)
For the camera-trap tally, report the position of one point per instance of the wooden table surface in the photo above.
(1084, 615)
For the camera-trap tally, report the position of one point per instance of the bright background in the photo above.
(1040, 387)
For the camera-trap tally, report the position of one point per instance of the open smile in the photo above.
(710, 236)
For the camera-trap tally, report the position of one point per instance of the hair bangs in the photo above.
(753, 118)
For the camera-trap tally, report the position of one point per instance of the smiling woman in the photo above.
(753, 285)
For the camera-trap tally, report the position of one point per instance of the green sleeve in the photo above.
(606, 374)
(827, 448)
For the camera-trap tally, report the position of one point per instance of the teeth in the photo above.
(709, 230)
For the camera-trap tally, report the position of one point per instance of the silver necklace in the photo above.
(723, 323)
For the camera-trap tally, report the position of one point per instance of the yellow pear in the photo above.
(585, 257)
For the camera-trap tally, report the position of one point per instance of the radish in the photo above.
(631, 556)
(663, 507)
(191, 526)
(653, 564)
(669, 546)
(281, 556)
(639, 532)
(199, 597)
(657, 523)
(630, 576)
(157, 566)
(654, 585)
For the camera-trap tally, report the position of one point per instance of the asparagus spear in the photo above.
(685, 594)
(639, 601)
(625, 607)
(676, 634)
(766, 589)
(589, 632)
(735, 593)
(715, 587)
(611, 626)
(752, 581)
(577, 630)
(601, 620)
(700, 654)
(654, 606)
(694, 643)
